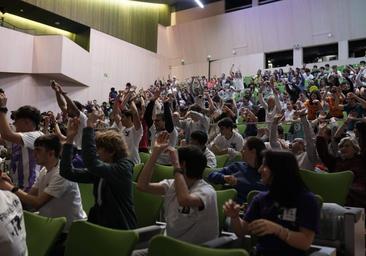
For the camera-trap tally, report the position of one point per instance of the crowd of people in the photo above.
(310, 119)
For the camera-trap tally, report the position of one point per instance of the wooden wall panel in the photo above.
(133, 22)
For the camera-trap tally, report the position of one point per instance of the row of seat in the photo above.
(89, 239)
(147, 208)
(332, 187)
(221, 160)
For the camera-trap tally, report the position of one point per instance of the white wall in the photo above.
(113, 62)
(29, 62)
(16, 51)
(272, 27)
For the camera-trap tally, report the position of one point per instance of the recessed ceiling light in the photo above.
(199, 3)
(57, 23)
(21, 10)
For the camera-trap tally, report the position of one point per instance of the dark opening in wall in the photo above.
(261, 2)
(357, 48)
(234, 5)
(279, 59)
(320, 53)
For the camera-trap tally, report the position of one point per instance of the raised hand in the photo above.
(161, 142)
(277, 118)
(5, 185)
(5, 177)
(173, 154)
(57, 87)
(231, 209)
(3, 100)
(302, 112)
(72, 128)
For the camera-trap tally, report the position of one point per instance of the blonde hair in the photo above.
(112, 141)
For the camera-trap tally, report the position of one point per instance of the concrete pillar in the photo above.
(343, 50)
(298, 57)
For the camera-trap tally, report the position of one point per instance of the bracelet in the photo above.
(14, 189)
(4, 110)
(279, 233)
(178, 170)
(288, 235)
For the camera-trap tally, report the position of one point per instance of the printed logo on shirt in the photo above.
(288, 214)
(233, 145)
(127, 133)
(184, 210)
(11, 220)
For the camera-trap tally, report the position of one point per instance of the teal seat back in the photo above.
(144, 157)
(87, 196)
(221, 160)
(89, 239)
(251, 195)
(205, 175)
(162, 172)
(222, 197)
(42, 233)
(241, 128)
(147, 207)
(332, 187)
(167, 246)
(136, 171)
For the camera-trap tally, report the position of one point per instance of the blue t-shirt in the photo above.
(306, 214)
(248, 179)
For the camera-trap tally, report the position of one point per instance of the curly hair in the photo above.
(28, 112)
(113, 142)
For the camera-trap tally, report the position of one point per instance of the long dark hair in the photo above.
(286, 185)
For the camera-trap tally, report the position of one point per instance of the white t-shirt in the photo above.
(289, 114)
(211, 158)
(79, 136)
(66, 201)
(238, 84)
(233, 144)
(132, 138)
(23, 167)
(12, 229)
(191, 224)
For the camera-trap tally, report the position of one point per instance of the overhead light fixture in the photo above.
(199, 3)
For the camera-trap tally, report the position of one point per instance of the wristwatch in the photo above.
(4, 110)
(178, 170)
(14, 189)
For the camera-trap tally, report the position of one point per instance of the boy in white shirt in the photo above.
(129, 123)
(23, 168)
(228, 141)
(12, 230)
(190, 204)
(51, 195)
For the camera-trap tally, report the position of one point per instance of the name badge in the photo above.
(289, 214)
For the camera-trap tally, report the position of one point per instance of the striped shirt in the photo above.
(23, 167)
